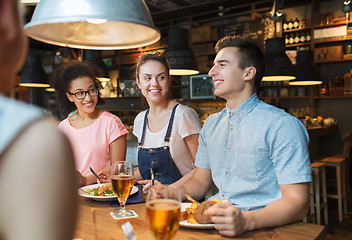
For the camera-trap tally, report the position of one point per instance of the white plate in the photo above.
(186, 224)
(82, 192)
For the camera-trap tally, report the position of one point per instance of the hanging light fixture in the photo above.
(95, 57)
(33, 74)
(306, 71)
(347, 8)
(179, 54)
(92, 24)
(278, 66)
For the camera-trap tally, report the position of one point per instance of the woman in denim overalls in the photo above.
(166, 128)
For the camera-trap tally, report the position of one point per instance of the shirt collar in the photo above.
(243, 109)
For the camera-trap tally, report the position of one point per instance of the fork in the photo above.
(128, 231)
(189, 198)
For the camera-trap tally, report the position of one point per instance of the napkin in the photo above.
(132, 199)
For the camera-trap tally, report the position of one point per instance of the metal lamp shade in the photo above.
(33, 74)
(347, 7)
(179, 54)
(123, 24)
(306, 71)
(278, 66)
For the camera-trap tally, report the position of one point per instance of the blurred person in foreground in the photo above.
(98, 137)
(259, 153)
(38, 185)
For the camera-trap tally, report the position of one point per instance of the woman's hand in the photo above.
(104, 175)
(148, 184)
(82, 181)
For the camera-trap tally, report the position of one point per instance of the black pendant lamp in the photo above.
(179, 54)
(33, 74)
(278, 66)
(306, 71)
(95, 58)
(93, 24)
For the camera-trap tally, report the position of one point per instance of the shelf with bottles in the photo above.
(298, 38)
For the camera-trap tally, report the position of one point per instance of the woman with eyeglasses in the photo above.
(98, 138)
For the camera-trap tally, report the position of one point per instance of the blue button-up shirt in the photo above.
(253, 149)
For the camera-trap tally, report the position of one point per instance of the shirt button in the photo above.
(227, 174)
(229, 149)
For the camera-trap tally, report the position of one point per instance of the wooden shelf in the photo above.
(296, 30)
(335, 61)
(332, 97)
(331, 41)
(331, 25)
(297, 44)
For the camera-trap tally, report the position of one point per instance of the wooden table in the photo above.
(108, 228)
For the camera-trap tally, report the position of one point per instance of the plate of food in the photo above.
(194, 216)
(101, 192)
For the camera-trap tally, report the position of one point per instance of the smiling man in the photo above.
(258, 153)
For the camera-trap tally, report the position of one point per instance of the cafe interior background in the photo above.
(315, 39)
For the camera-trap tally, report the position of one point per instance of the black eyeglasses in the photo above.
(82, 94)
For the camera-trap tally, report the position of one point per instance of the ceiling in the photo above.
(166, 13)
(173, 12)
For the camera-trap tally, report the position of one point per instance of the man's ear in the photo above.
(250, 73)
(8, 20)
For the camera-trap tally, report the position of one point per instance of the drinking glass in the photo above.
(163, 211)
(122, 182)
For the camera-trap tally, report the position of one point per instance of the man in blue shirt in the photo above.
(257, 152)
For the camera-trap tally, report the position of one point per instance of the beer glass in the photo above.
(122, 182)
(163, 211)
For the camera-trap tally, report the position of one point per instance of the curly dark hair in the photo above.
(250, 53)
(64, 75)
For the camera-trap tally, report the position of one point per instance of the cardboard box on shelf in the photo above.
(202, 33)
(328, 54)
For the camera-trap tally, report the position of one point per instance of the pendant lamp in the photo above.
(93, 24)
(179, 54)
(306, 71)
(33, 74)
(278, 66)
(95, 58)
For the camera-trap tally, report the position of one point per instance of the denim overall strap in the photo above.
(144, 126)
(169, 128)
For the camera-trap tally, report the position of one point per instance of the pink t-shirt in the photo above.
(91, 144)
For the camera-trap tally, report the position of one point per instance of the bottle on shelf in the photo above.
(291, 40)
(302, 38)
(297, 38)
(287, 39)
(295, 24)
(285, 26)
(308, 37)
(290, 24)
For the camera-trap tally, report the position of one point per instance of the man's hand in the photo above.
(228, 219)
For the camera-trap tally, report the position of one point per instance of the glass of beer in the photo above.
(163, 211)
(122, 182)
